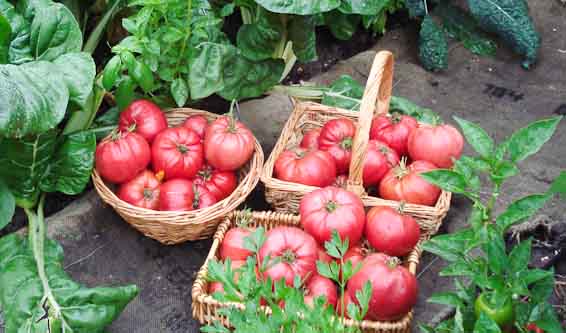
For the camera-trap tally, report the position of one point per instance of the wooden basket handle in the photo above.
(377, 94)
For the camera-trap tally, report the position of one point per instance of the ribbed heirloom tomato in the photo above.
(144, 118)
(319, 286)
(297, 251)
(336, 138)
(176, 194)
(331, 208)
(310, 139)
(142, 191)
(220, 183)
(394, 288)
(403, 183)
(233, 244)
(203, 197)
(198, 124)
(378, 161)
(394, 131)
(228, 144)
(314, 168)
(122, 156)
(391, 232)
(436, 144)
(177, 152)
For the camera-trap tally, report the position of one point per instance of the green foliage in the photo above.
(511, 21)
(5, 36)
(342, 26)
(478, 253)
(433, 47)
(299, 7)
(345, 93)
(7, 205)
(416, 7)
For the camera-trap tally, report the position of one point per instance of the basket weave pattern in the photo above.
(285, 196)
(205, 307)
(172, 227)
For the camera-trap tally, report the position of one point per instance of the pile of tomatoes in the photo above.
(387, 232)
(182, 168)
(324, 155)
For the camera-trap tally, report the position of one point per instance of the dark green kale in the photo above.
(433, 48)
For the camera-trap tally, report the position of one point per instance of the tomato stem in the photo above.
(393, 262)
(401, 170)
(147, 193)
(346, 143)
(182, 148)
(331, 206)
(288, 256)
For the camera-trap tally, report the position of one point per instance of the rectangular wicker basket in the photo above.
(205, 307)
(285, 196)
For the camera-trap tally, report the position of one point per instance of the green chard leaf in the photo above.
(405, 106)
(19, 48)
(342, 26)
(259, 40)
(510, 20)
(302, 34)
(477, 138)
(530, 139)
(345, 93)
(433, 47)
(7, 204)
(362, 7)
(207, 69)
(5, 38)
(299, 7)
(78, 71)
(459, 25)
(22, 292)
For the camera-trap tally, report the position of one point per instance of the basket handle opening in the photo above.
(377, 95)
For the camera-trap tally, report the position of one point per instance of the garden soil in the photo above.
(102, 249)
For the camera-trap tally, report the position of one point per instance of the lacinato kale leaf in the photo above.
(416, 7)
(511, 21)
(433, 48)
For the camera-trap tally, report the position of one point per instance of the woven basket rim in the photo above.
(201, 297)
(192, 217)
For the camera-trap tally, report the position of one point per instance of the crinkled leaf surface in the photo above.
(83, 310)
(299, 7)
(433, 48)
(363, 7)
(405, 106)
(207, 69)
(342, 26)
(511, 21)
(5, 38)
(19, 50)
(302, 34)
(345, 93)
(259, 39)
(7, 204)
(78, 70)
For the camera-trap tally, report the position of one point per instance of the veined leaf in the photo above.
(519, 257)
(405, 106)
(485, 324)
(446, 298)
(7, 204)
(299, 7)
(23, 162)
(530, 139)
(433, 48)
(302, 34)
(345, 93)
(416, 7)
(510, 20)
(559, 185)
(5, 38)
(180, 91)
(362, 7)
(451, 247)
(476, 137)
(259, 40)
(342, 26)
(22, 293)
(447, 180)
(207, 69)
(521, 210)
(19, 49)
(78, 70)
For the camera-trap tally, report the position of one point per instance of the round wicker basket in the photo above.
(172, 227)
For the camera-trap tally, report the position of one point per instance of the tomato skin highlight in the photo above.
(378, 161)
(310, 139)
(176, 195)
(143, 117)
(404, 184)
(393, 131)
(228, 144)
(220, 183)
(298, 250)
(233, 244)
(177, 152)
(394, 288)
(391, 232)
(122, 157)
(503, 316)
(314, 168)
(331, 208)
(436, 144)
(318, 286)
(336, 137)
(198, 124)
(142, 191)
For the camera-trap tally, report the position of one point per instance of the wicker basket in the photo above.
(285, 196)
(172, 227)
(205, 307)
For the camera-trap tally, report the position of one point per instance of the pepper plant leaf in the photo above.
(485, 324)
(476, 137)
(521, 210)
(447, 180)
(530, 139)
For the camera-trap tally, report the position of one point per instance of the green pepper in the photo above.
(503, 315)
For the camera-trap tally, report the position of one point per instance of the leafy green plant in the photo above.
(294, 315)
(46, 78)
(495, 289)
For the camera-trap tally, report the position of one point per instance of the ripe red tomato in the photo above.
(438, 145)
(144, 118)
(379, 160)
(177, 152)
(393, 131)
(122, 157)
(319, 286)
(203, 197)
(341, 181)
(142, 191)
(233, 244)
(218, 287)
(391, 232)
(198, 124)
(310, 139)
(331, 208)
(404, 184)
(298, 252)
(323, 256)
(355, 255)
(220, 183)
(336, 138)
(533, 327)
(228, 144)
(314, 168)
(394, 288)
(176, 194)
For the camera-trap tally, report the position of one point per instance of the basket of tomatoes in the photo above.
(174, 175)
(374, 154)
(383, 249)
